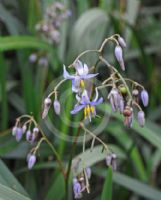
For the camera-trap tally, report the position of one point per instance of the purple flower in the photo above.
(119, 56)
(32, 58)
(88, 106)
(31, 159)
(28, 136)
(14, 130)
(77, 189)
(56, 105)
(18, 134)
(141, 118)
(145, 97)
(78, 78)
(122, 42)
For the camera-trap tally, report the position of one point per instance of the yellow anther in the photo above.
(88, 109)
(92, 109)
(85, 112)
(82, 84)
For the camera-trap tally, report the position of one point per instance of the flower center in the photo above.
(82, 84)
(88, 111)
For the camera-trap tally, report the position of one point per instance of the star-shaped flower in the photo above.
(88, 106)
(82, 73)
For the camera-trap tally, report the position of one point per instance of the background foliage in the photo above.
(22, 88)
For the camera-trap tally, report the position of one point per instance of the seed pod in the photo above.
(31, 159)
(56, 105)
(122, 42)
(141, 118)
(123, 89)
(119, 56)
(127, 111)
(145, 97)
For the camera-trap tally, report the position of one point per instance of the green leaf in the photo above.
(107, 188)
(7, 179)
(7, 194)
(88, 33)
(57, 189)
(132, 184)
(89, 158)
(21, 42)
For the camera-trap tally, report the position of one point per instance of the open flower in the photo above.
(78, 78)
(88, 106)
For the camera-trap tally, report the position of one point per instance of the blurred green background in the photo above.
(23, 86)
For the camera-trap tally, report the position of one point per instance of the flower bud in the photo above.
(43, 62)
(141, 118)
(111, 161)
(47, 103)
(88, 172)
(122, 42)
(56, 105)
(35, 130)
(28, 136)
(14, 130)
(32, 58)
(145, 97)
(127, 111)
(24, 127)
(18, 134)
(121, 105)
(31, 159)
(135, 92)
(119, 56)
(114, 99)
(77, 189)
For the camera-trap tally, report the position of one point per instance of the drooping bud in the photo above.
(56, 105)
(24, 127)
(121, 105)
(47, 104)
(88, 172)
(141, 118)
(119, 56)
(77, 189)
(128, 113)
(145, 97)
(121, 41)
(31, 159)
(28, 136)
(32, 58)
(113, 97)
(14, 130)
(111, 161)
(135, 92)
(18, 134)
(43, 62)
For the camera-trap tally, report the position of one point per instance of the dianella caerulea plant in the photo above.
(124, 96)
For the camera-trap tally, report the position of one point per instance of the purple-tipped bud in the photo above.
(28, 136)
(31, 159)
(32, 58)
(56, 105)
(14, 130)
(18, 134)
(111, 161)
(47, 104)
(88, 172)
(119, 56)
(77, 189)
(145, 97)
(121, 105)
(122, 42)
(141, 118)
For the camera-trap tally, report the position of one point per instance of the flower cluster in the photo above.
(81, 183)
(124, 95)
(31, 131)
(49, 27)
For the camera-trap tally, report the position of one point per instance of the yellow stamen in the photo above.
(82, 84)
(85, 112)
(92, 109)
